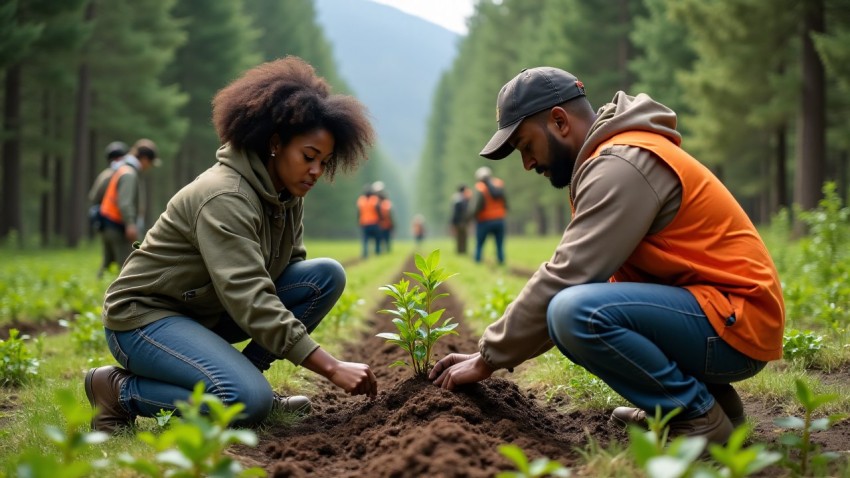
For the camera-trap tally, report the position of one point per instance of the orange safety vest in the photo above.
(368, 207)
(109, 205)
(712, 249)
(386, 221)
(493, 208)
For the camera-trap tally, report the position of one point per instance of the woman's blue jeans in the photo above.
(171, 355)
(650, 343)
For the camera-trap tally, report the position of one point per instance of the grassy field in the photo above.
(46, 286)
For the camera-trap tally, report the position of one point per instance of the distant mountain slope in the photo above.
(393, 61)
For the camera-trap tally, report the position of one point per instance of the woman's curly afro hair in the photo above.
(286, 97)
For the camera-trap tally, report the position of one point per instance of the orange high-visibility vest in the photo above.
(109, 205)
(493, 208)
(386, 221)
(368, 207)
(712, 249)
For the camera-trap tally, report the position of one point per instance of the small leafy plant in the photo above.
(17, 362)
(738, 461)
(417, 323)
(68, 441)
(809, 453)
(801, 346)
(194, 444)
(536, 468)
(86, 331)
(494, 303)
(343, 311)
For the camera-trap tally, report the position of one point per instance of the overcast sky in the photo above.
(450, 14)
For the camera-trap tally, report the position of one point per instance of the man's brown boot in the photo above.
(625, 416)
(724, 394)
(714, 425)
(729, 401)
(103, 385)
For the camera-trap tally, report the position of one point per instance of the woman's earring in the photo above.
(272, 154)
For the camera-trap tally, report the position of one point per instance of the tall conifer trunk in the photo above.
(812, 117)
(79, 163)
(10, 213)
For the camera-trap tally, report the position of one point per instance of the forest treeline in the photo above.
(761, 88)
(79, 74)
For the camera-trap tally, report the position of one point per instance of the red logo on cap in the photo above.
(580, 85)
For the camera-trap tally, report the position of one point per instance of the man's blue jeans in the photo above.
(496, 228)
(171, 355)
(650, 343)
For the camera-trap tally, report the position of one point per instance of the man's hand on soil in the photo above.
(458, 369)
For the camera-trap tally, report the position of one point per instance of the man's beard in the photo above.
(561, 162)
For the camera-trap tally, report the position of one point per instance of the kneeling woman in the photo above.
(226, 263)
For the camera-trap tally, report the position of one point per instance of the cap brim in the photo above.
(498, 146)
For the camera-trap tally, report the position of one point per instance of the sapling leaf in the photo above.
(819, 424)
(389, 336)
(433, 317)
(516, 455)
(666, 467)
(794, 423)
(415, 276)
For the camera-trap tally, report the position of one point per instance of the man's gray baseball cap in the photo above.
(531, 91)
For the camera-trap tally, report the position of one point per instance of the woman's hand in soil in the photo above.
(458, 369)
(354, 378)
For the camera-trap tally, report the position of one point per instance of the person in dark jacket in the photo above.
(115, 152)
(226, 262)
(460, 219)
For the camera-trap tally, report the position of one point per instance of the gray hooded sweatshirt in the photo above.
(623, 195)
(217, 249)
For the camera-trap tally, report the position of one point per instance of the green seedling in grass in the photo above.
(17, 363)
(194, 445)
(651, 450)
(810, 458)
(86, 332)
(343, 310)
(801, 347)
(68, 441)
(414, 318)
(738, 461)
(536, 468)
(494, 304)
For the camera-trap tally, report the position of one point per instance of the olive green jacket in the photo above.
(217, 249)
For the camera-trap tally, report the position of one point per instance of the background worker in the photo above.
(368, 216)
(385, 213)
(489, 207)
(460, 219)
(115, 152)
(122, 207)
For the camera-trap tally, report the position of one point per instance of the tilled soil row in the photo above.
(415, 429)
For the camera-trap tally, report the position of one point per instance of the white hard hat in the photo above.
(483, 173)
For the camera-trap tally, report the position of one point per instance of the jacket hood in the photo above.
(250, 167)
(629, 113)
